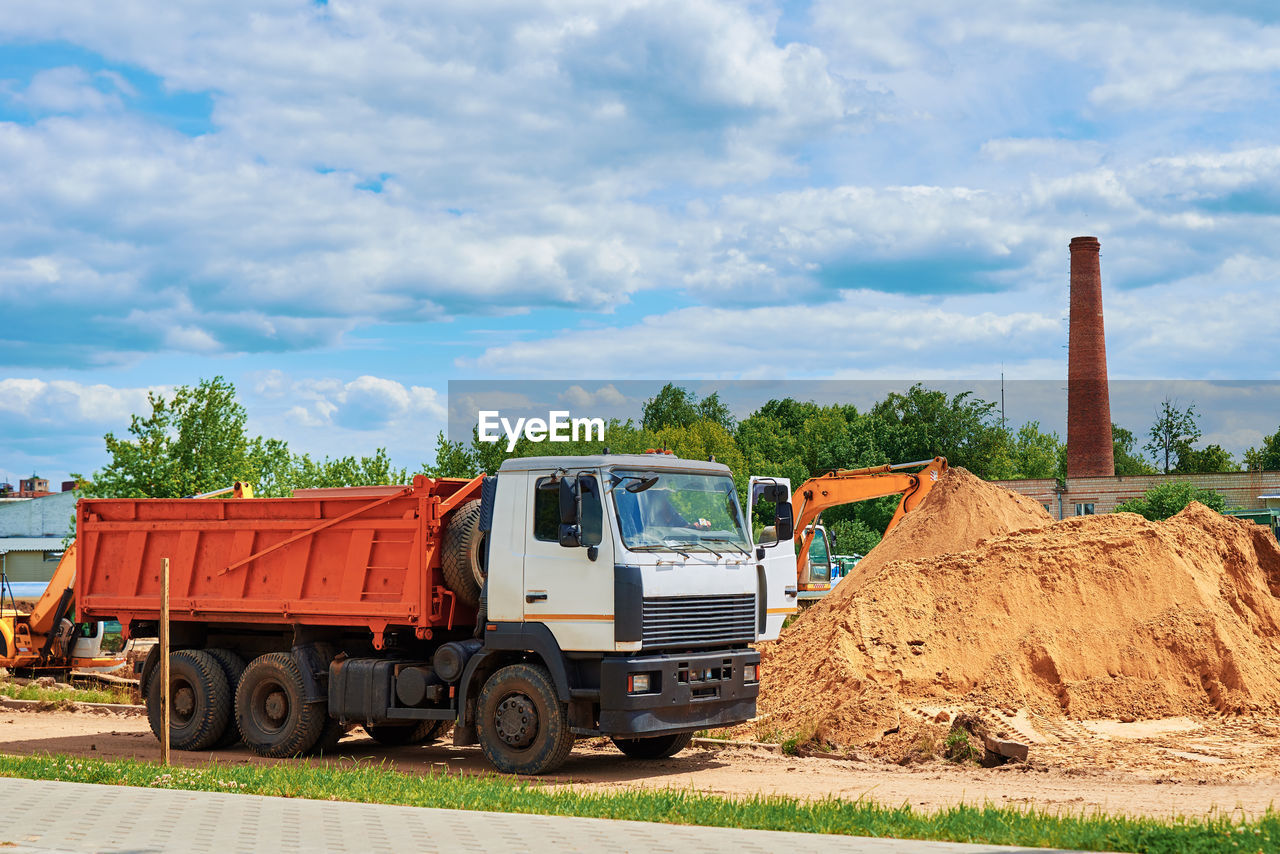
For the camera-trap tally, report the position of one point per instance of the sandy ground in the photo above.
(1175, 766)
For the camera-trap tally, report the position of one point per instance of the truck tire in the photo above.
(233, 668)
(524, 728)
(656, 747)
(463, 555)
(396, 735)
(199, 700)
(148, 668)
(271, 713)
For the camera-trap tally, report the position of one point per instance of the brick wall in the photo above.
(1240, 489)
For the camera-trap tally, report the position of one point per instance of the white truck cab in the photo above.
(635, 578)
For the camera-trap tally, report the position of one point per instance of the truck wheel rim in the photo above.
(270, 706)
(516, 720)
(183, 702)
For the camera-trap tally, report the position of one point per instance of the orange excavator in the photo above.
(48, 638)
(847, 486)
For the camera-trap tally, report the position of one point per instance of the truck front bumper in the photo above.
(687, 692)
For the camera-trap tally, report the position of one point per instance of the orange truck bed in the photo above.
(366, 557)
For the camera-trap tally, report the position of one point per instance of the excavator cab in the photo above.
(816, 573)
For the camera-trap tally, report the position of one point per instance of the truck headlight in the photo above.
(640, 683)
(751, 673)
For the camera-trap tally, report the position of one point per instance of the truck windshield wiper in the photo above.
(665, 547)
(739, 549)
(705, 547)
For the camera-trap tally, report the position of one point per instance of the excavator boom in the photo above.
(848, 486)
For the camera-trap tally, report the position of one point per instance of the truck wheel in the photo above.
(199, 700)
(149, 668)
(395, 735)
(233, 668)
(271, 712)
(657, 747)
(523, 725)
(464, 548)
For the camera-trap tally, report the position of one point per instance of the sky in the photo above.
(341, 206)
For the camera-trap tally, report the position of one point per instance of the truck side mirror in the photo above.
(570, 513)
(590, 512)
(775, 493)
(783, 523)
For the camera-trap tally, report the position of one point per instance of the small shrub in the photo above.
(958, 747)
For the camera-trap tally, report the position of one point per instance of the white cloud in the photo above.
(65, 402)
(70, 90)
(606, 395)
(366, 403)
(861, 334)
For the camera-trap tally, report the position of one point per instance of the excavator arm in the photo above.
(847, 486)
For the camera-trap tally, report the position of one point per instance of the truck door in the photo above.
(777, 571)
(563, 587)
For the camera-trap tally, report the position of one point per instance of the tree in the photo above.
(452, 460)
(1170, 499)
(675, 406)
(345, 471)
(1210, 460)
(195, 441)
(1035, 454)
(1174, 432)
(1266, 457)
(922, 424)
(853, 536)
(191, 442)
(1129, 462)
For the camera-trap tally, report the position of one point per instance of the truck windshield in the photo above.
(680, 511)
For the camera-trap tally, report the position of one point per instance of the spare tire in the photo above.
(463, 561)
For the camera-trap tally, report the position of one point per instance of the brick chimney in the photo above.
(1089, 448)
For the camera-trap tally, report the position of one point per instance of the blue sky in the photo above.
(342, 206)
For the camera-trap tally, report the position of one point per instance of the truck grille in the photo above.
(684, 621)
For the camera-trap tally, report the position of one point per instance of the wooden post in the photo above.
(164, 662)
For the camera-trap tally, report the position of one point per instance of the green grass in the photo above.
(32, 691)
(379, 784)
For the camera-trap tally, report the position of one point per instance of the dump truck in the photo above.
(614, 595)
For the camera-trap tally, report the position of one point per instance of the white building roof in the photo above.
(30, 544)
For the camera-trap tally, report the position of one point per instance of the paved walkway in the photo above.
(40, 816)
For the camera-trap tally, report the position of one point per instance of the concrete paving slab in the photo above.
(42, 816)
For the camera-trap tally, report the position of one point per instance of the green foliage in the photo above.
(306, 472)
(452, 460)
(1173, 433)
(1129, 462)
(31, 691)
(959, 748)
(1210, 460)
(1035, 453)
(853, 536)
(195, 441)
(675, 406)
(923, 424)
(1265, 457)
(1170, 499)
(799, 439)
(986, 825)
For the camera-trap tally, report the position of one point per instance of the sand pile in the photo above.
(1099, 616)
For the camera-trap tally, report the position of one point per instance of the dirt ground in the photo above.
(1164, 767)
